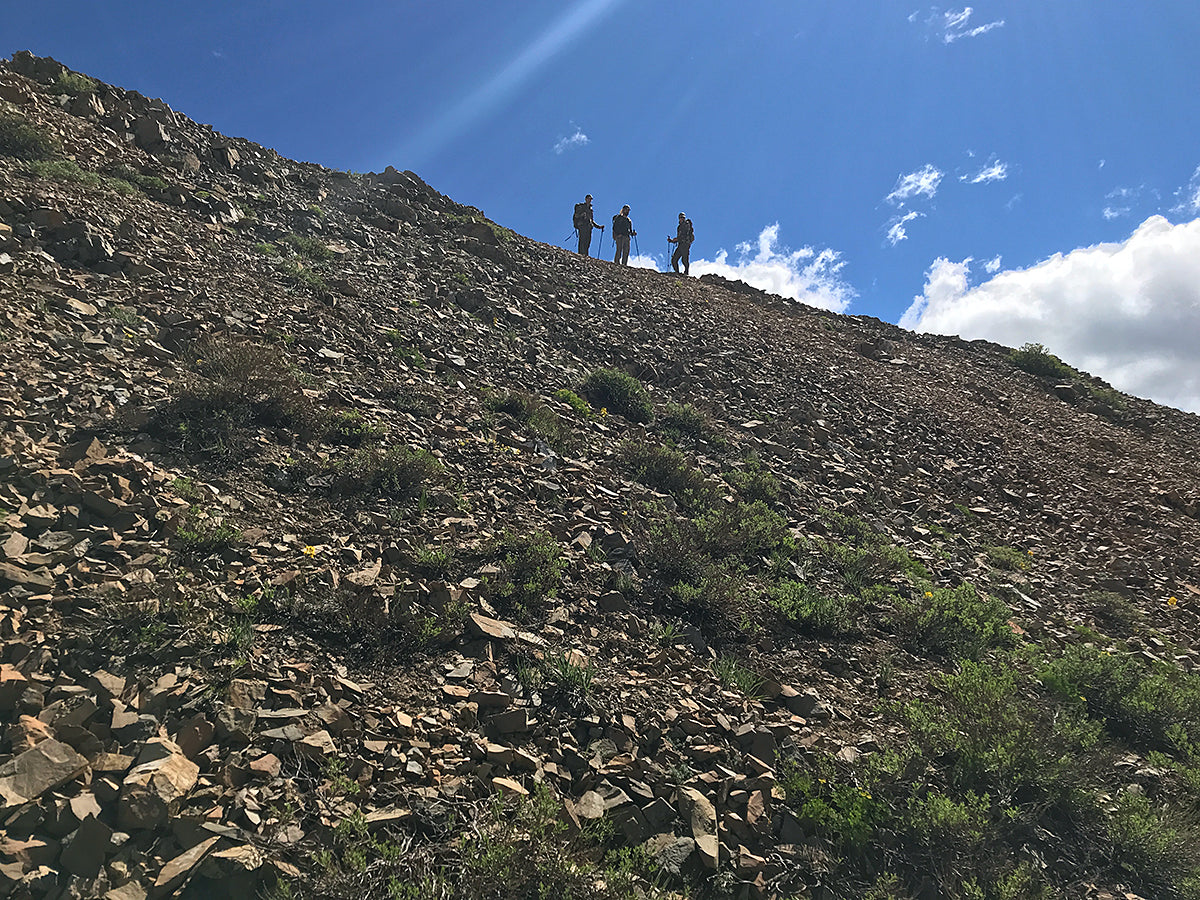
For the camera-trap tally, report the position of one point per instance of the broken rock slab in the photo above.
(44, 767)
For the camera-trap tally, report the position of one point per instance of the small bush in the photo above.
(308, 247)
(20, 139)
(954, 622)
(74, 83)
(304, 276)
(618, 393)
(351, 427)
(398, 472)
(1037, 360)
(202, 536)
(747, 531)
(530, 412)
(531, 570)
(1007, 559)
(669, 471)
(63, 170)
(573, 400)
(755, 482)
(680, 420)
(810, 611)
(265, 248)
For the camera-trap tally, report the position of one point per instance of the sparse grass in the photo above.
(732, 673)
(618, 393)
(308, 247)
(230, 389)
(304, 276)
(203, 535)
(532, 413)
(352, 428)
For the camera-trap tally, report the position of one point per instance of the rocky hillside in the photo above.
(352, 545)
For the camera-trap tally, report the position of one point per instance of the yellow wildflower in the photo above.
(310, 551)
(1172, 601)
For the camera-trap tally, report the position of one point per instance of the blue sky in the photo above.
(958, 168)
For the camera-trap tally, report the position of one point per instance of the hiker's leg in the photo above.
(687, 253)
(585, 241)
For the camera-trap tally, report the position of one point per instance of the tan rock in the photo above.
(42, 768)
(701, 817)
(154, 791)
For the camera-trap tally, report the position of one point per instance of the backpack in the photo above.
(687, 234)
(582, 218)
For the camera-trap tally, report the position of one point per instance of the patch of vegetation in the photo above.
(304, 276)
(397, 472)
(677, 421)
(433, 561)
(63, 170)
(532, 413)
(733, 673)
(230, 389)
(308, 247)
(1115, 610)
(531, 570)
(265, 248)
(1007, 559)
(74, 83)
(755, 482)
(1037, 360)
(668, 470)
(811, 611)
(618, 393)
(22, 140)
(573, 400)
(352, 428)
(745, 531)
(202, 535)
(953, 622)
(503, 849)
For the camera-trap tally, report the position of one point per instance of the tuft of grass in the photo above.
(265, 248)
(732, 673)
(202, 536)
(618, 393)
(308, 247)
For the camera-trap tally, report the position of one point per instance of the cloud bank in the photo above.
(1128, 312)
(810, 276)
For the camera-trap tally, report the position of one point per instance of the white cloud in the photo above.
(995, 170)
(578, 139)
(992, 266)
(1127, 311)
(807, 275)
(921, 183)
(896, 231)
(957, 25)
(1189, 196)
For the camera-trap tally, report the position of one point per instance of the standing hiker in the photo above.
(684, 235)
(584, 224)
(622, 232)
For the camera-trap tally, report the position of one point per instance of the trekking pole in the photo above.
(574, 231)
(601, 250)
(636, 247)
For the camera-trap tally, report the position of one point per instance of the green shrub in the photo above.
(531, 570)
(398, 472)
(618, 393)
(202, 536)
(74, 83)
(265, 248)
(530, 412)
(20, 139)
(954, 622)
(732, 673)
(308, 247)
(831, 806)
(1037, 360)
(667, 470)
(747, 531)
(1157, 846)
(1151, 706)
(720, 599)
(682, 420)
(351, 427)
(573, 400)
(755, 482)
(1008, 559)
(809, 610)
(63, 170)
(304, 276)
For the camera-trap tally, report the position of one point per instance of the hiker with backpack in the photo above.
(584, 224)
(622, 232)
(684, 235)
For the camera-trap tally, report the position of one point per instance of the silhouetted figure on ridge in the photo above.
(622, 232)
(584, 224)
(684, 235)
